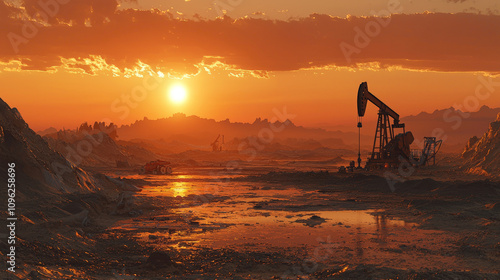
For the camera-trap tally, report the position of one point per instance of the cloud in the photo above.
(88, 31)
(75, 11)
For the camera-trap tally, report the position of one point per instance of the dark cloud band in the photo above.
(81, 29)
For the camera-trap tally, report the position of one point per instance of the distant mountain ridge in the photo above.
(179, 132)
(485, 111)
(47, 131)
(201, 131)
(454, 126)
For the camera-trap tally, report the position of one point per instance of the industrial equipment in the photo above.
(388, 148)
(431, 148)
(157, 167)
(218, 144)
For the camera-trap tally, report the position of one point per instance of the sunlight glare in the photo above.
(178, 94)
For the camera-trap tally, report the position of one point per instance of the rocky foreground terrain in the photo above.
(482, 155)
(48, 192)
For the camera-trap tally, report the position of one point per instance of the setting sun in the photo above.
(178, 94)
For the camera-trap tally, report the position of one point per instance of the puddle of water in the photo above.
(197, 185)
(235, 223)
(183, 177)
(174, 189)
(357, 236)
(253, 229)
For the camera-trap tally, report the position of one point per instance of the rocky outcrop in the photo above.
(40, 172)
(482, 155)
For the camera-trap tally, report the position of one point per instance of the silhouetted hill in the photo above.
(199, 132)
(47, 131)
(453, 126)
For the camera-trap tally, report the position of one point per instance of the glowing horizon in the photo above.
(415, 56)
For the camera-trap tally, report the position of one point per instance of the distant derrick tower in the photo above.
(218, 144)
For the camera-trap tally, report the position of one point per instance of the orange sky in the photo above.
(83, 63)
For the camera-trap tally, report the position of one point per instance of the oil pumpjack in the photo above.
(218, 144)
(389, 149)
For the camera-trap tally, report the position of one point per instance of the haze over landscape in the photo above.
(250, 139)
(265, 59)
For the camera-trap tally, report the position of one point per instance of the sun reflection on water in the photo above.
(179, 189)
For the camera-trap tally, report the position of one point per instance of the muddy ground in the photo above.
(270, 223)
